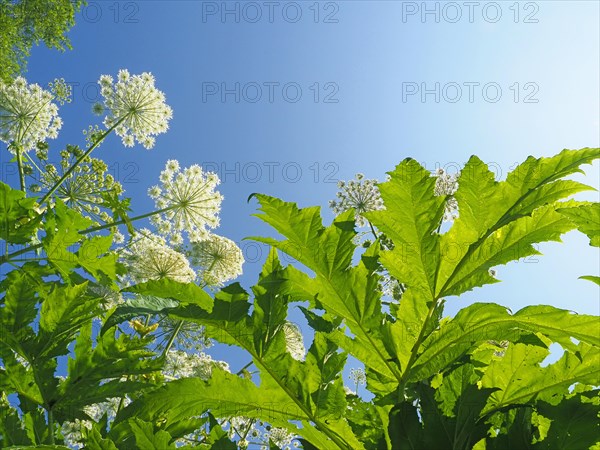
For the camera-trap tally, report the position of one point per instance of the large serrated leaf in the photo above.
(521, 380)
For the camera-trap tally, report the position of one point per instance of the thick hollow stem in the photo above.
(51, 425)
(81, 158)
(172, 338)
(19, 151)
(6, 258)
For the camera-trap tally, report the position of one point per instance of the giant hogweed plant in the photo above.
(103, 324)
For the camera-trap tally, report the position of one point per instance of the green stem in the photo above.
(81, 158)
(124, 221)
(51, 425)
(239, 372)
(172, 338)
(415, 351)
(18, 150)
(372, 229)
(6, 258)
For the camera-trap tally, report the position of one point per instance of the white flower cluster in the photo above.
(252, 434)
(281, 437)
(358, 376)
(447, 184)
(108, 297)
(137, 106)
(219, 258)
(149, 257)
(188, 200)
(27, 115)
(390, 287)
(293, 341)
(179, 364)
(73, 431)
(84, 187)
(361, 194)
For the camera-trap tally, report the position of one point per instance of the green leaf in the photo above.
(521, 380)
(592, 278)
(187, 293)
(93, 258)
(18, 219)
(405, 429)
(138, 306)
(95, 372)
(142, 435)
(95, 441)
(411, 216)
(64, 311)
(574, 424)
(488, 231)
(21, 289)
(508, 243)
(481, 322)
(314, 387)
(218, 438)
(587, 219)
(224, 394)
(62, 231)
(11, 428)
(343, 291)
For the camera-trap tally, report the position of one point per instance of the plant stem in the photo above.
(239, 372)
(6, 258)
(51, 425)
(18, 150)
(373, 229)
(123, 221)
(172, 338)
(81, 158)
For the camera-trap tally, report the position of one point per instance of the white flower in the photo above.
(172, 165)
(220, 259)
(179, 364)
(361, 194)
(72, 432)
(281, 437)
(118, 237)
(150, 258)
(189, 201)
(358, 376)
(137, 106)
(446, 184)
(108, 298)
(390, 287)
(293, 341)
(27, 115)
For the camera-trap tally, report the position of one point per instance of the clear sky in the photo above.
(285, 98)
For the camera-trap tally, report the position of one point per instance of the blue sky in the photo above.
(341, 91)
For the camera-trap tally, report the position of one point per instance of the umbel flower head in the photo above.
(137, 105)
(149, 257)
(294, 343)
(361, 194)
(220, 259)
(188, 201)
(27, 115)
(447, 184)
(180, 364)
(84, 187)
